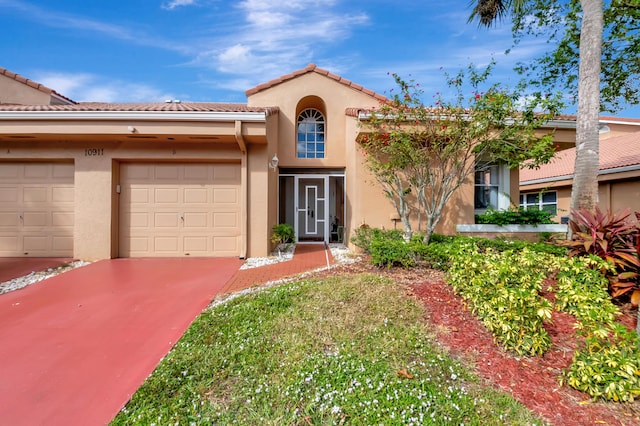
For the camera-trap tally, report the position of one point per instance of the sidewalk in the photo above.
(306, 257)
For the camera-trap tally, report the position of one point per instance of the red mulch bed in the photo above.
(532, 381)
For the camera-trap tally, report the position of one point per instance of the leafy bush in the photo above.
(282, 233)
(503, 291)
(391, 252)
(512, 216)
(364, 236)
(607, 363)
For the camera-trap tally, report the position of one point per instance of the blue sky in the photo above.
(213, 50)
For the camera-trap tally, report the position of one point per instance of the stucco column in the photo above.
(93, 199)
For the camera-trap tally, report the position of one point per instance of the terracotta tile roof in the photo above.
(620, 151)
(146, 106)
(309, 69)
(35, 85)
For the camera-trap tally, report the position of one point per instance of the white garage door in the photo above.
(36, 209)
(179, 210)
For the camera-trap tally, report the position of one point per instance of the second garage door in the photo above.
(36, 209)
(179, 210)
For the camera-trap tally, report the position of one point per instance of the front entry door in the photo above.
(311, 209)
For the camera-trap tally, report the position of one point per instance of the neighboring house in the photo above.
(549, 187)
(15, 89)
(98, 180)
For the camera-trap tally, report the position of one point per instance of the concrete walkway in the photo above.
(307, 257)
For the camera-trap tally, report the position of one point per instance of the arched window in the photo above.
(310, 134)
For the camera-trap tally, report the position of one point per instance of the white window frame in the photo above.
(541, 203)
(314, 117)
(503, 187)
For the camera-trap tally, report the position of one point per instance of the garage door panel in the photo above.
(224, 244)
(166, 172)
(10, 172)
(196, 245)
(225, 220)
(62, 219)
(35, 243)
(9, 195)
(173, 208)
(198, 173)
(196, 196)
(226, 196)
(36, 209)
(9, 219)
(36, 219)
(139, 195)
(62, 194)
(166, 220)
(226, 173)
(35, 194)
(37, 171)
(10, 244)
(137, 220)
(62, 243)
(136, 245)
(62, 171)
(165, 244)
(166, 195)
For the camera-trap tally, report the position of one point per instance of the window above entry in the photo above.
(311, 132)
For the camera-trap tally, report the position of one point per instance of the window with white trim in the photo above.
(547, 200)
(310, 134)
(486, 186)
(492, 186)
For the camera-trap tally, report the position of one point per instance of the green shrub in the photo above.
(364, 236)
(513, 216)
(282, 233)
(503, 291)
(391, 252)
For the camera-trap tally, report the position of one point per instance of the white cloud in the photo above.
(85, 87)
(55, 19)
(272, 37)
(170, 5)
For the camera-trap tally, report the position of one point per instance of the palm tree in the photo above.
(584, 193)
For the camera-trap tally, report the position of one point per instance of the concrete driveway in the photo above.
(75, 347)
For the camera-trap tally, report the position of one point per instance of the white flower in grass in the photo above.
(335, 409)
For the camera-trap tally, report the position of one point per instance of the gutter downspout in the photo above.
(244, 188)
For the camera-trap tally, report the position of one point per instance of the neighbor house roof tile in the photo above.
(616, 152)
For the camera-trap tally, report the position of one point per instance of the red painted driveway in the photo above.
(75, 347)
(14, 267)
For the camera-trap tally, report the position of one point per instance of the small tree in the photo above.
(422, 154)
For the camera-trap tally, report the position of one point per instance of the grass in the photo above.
(345, 350)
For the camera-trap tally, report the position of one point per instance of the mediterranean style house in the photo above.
(104, 180)
(549, 187)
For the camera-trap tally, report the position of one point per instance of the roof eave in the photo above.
(135, 115)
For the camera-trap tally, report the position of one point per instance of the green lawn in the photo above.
(345, 350)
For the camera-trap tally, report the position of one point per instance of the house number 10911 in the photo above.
(90, 152)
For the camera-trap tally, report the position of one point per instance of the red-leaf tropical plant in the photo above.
(614, 238)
